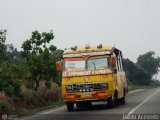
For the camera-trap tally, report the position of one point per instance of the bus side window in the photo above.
(122, 61)
(119, 62)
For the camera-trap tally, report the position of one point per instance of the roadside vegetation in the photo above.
(29, 80)
(142, 74)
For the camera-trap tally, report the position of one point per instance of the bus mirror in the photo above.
(113, 62)
(59, 66)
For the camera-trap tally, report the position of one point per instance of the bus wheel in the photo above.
(79, 104)
(113, 101)
(70, 106)
(122, 100)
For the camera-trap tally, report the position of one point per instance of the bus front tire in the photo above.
(122, 100)
(70, 106)
(113, 101)
(78, 105)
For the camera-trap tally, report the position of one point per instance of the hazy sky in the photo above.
(132, 25)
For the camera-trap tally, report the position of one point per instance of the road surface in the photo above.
(138, 103)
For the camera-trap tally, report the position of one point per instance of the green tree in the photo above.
(2, 44)
(135, 73)
(57, 56)
(3, 35)
(9, 71)
(150, 63)
(38, 57)
(9, 79)
(12, 55)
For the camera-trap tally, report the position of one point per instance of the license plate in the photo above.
(86, 94)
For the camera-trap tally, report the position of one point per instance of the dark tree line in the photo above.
(142, 72)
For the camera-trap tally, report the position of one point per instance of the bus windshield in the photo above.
(97, 63)
(74, 64)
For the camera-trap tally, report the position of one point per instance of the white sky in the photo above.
(132, 25)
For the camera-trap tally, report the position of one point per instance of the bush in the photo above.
(11, 88)
(43, 96)
(9, 82)
(5, 106)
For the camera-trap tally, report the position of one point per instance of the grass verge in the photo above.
(132, 87)
(38, 109)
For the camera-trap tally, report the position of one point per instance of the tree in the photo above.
(150, 63)
(142, 72)
(135, 73)
(38, 56)
(9, 71)
(2, 43)
(3, 35)
(12, 55)
(9, 75)
(57, 56)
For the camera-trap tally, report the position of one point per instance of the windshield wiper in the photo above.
(94, 65)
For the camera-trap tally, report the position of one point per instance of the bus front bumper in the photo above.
(87, 96)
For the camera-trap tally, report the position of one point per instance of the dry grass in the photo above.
(43, 96)
(6, 104)
(3, 96)
(31, 99)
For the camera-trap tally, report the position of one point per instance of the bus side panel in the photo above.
(121, 83)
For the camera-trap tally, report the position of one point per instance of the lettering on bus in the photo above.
(88, 72)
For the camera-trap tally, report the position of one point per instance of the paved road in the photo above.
(143, 101)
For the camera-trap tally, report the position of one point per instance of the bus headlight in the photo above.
(68, 87)
(104, 85)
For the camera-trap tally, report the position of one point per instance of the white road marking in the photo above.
(43, 113)
(133, 91)
(54, 110)
(139, 105)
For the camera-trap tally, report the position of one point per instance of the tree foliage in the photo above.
(143, 70)
(2, 44)
(40, 57)
(9, 70)
(135, 73)
(150, 63)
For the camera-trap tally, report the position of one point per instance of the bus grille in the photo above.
(87, 87)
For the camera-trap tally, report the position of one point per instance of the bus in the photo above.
(92, 73)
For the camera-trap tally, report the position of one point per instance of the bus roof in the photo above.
(89, 49)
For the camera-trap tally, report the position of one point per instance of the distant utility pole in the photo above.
(3, 34)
